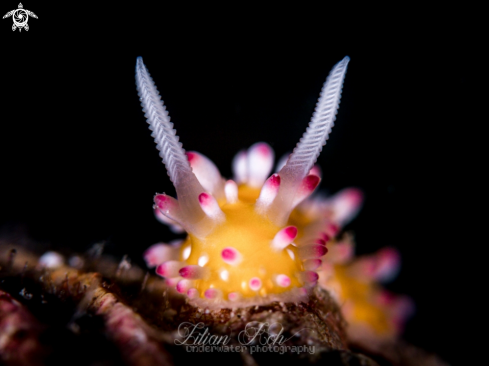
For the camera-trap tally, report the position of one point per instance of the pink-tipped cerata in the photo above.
(159, 253)
(312, 264)
(308, 185)
(210, 206)
(268, 193)
(284, 237)
(169, 268)
(207, 173)
(309, 277)
(183, 286)
(346, 204)
(312, 251)
(193, 272)
(168, 206)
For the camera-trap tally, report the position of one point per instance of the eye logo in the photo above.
(20, 17)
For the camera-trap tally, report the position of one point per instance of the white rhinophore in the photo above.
(306, 152)
(176, 162)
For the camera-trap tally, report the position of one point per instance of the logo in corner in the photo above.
(20, 17)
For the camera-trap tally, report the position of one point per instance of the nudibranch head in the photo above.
(245, 258)
(247, 243)
(260, 237)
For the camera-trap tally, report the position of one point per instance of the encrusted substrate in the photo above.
(295, 295)
(105, 310)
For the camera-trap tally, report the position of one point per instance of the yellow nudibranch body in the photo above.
(260, 238)
(241, 261)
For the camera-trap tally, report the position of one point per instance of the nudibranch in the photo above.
(257, 238)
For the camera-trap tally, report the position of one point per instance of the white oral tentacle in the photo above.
(268, 193)
(211, 207)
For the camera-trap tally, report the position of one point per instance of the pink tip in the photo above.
(205, 198)
(274, 181)
(160, 270)
(291, 232)
(168, 268)
(228, 254)
(386, 297)
(186, 272)
(263, 149)
(152, 257)
(388, 263)
(310, 276)
(164, 270)
(159, 253)
(320, 242)
(333, 229)
(308, 184)
(192, 272)
(269, 190)
(283, 280)
(311, 182)
(162, 201)
(320, 250)
(191, 156)
(233, 296)
(355, 196)
(192, 293)
(172, 282)
(284, 237)
(389, 255)
(183, 286)
(312, 264)
(211, 293)
(311, 251)
(231, 256)
(255, 283)
(325, 237)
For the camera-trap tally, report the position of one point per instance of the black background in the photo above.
(78, 165)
